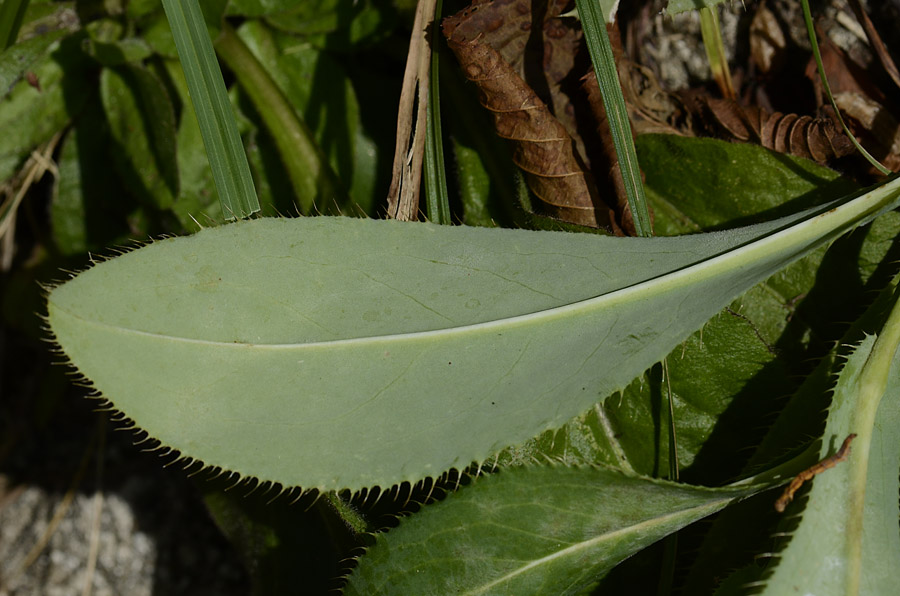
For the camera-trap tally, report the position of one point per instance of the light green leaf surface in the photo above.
(848, 540)
(284, 349)
(534, 530)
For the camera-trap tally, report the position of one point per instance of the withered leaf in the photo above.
(542, 147)
(819, 139)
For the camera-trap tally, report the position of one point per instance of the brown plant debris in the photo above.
(409, 150)
(554, 168)
(806, 475)
(804, 136)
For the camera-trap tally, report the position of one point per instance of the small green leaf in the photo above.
(476, 339)
(142, 123)
(533, 530)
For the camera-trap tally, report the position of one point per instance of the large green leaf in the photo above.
(284, 349)
(535, 530)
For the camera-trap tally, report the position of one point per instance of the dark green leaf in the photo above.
(12, 12)
(532, 530)
(87, 211)
(336, 24)
(142, 124)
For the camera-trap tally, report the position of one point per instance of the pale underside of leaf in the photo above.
(337, 353)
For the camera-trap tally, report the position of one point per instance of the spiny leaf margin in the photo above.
(455, 395)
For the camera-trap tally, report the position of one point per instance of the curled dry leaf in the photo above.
(813, 138)
(543, 148)
(614, 179)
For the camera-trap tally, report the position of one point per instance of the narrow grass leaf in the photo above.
(213, 109)
(437, 198)
(591, 14)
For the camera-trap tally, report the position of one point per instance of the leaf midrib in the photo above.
(642, 527)
(866, 205)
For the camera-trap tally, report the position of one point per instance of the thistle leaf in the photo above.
(340, 353)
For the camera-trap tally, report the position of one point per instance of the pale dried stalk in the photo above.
(35, 167)
(406, 176)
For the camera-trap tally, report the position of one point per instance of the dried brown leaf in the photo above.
(542, 147)
(819, 139)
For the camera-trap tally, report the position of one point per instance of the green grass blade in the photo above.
(600, 50)
(11, 14)
(227, 159)
(437, 199)
(810, 29)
